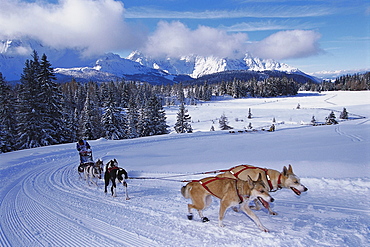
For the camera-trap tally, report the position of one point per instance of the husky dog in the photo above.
(230, 191)
(274, 180)
(115, 174)
(93, 172)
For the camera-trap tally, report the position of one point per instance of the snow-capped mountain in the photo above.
(69, 63)
(197, 66)
(13, 54)
(332, 75)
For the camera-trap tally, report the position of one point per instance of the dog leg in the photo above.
(190, 214)
(221, 214)
(249, 212)
(200, 212)
(258, 207)
(125, 184)
(271, 212)
(113, 188)
(204, 219)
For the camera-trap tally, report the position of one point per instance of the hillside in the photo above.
(44, 203)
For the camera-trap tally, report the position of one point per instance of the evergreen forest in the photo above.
(39, 111)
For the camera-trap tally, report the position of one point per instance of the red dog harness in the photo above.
(246, 167)
(204, 184)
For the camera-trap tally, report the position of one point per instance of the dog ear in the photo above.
(290, 169)
(259, 177)
(250, 182)
(285, 171)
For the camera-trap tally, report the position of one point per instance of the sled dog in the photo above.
(274, 180)
(230, 191)
(93, 171)
(115, 174)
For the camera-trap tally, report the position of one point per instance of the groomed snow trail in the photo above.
(46, 204)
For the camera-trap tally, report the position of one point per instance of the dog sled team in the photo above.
(92, 171)
(243, 187)
(240, 186)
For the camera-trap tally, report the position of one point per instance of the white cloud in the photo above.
(96, 26)
(287, 44)
(174, 39)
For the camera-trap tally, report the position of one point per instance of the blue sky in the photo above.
(311, 35)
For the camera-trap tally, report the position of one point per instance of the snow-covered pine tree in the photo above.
(313, 120)
(331, 119)
(133, 119)
(32, 129)
(182, 124)
(70, 91)
(90, 121)
(113, 121)
(51, 96)
(344, 114)
(156, 117)
(223, 121)
(249, 113)
(7, 117)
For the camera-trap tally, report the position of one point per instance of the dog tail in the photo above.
(185, 191)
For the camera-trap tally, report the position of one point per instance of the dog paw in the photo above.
(273, 213)
(205, 219)
(236, 209)
(128, 198)
(190, 216)
(264, 229)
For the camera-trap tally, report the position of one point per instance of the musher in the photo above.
(84, 150)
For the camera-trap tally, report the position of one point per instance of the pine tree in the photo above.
(331, 119)
(51, 98)
(7, 117)
(31, 109)
(313, 120)
(113, 121)
(223, 121)
(182, 124)
(344, 114)
(249, 113)
(133, 120)
(156, 117)
(90, 126)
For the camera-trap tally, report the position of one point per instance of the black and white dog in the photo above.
(93, 172)
(115, 174)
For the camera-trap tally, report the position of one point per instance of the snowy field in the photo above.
(44, 203)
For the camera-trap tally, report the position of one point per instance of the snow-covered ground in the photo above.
(44, 203)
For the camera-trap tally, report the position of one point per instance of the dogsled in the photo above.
(86, 159)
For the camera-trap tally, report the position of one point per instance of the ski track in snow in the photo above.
(50, 206)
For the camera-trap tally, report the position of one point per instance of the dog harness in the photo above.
(204, 184)
(246, 167)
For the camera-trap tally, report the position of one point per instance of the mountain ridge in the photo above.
(69, 63)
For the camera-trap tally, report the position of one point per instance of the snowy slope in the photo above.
(44, 203)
